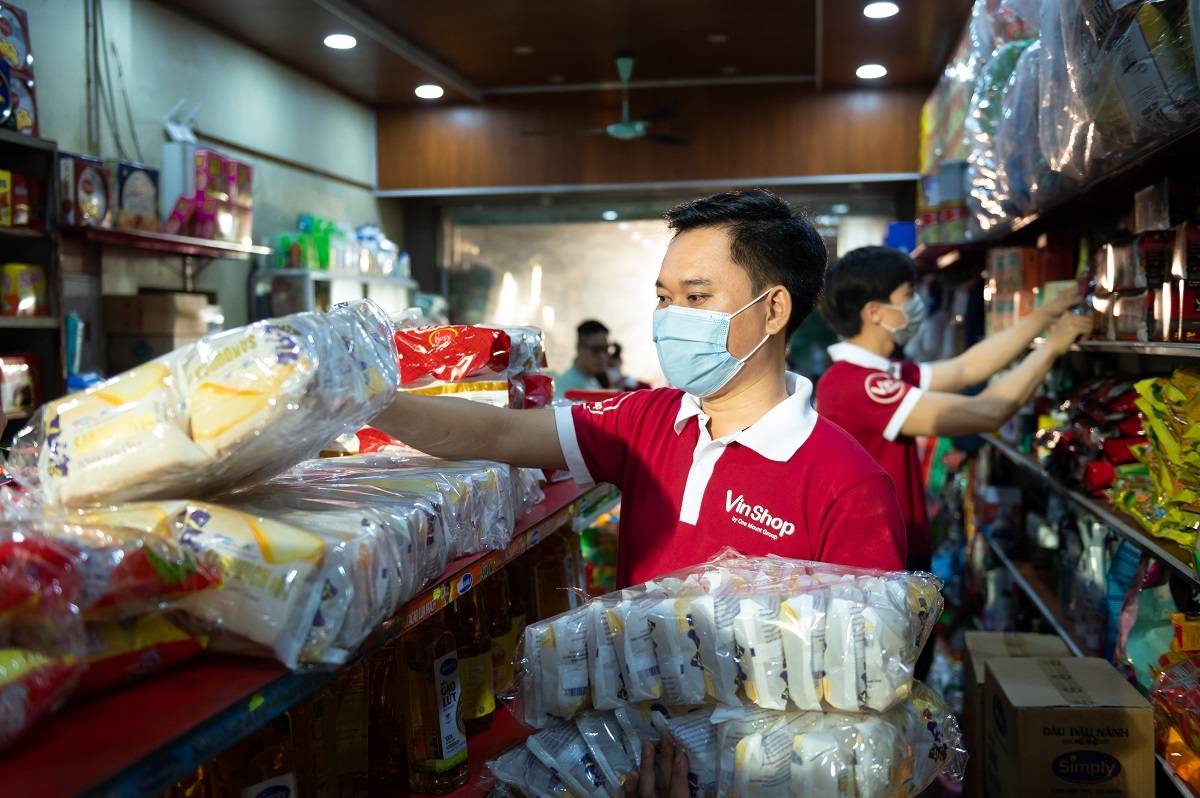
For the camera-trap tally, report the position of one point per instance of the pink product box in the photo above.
(179, 222)
(219, 220)
(211, 176)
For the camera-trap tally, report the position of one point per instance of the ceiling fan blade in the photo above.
(664, 139)
(578, 131)
(658, 115)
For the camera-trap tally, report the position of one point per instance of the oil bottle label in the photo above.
(351, 738)
(478, 692)
(278, 787)
(503, 649)
(453, 740)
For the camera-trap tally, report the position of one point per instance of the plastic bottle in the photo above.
(385, 723)
(497, 610)
(261, 765)
(435, 739)
(350, 734)
(554, 572)
(470, 630)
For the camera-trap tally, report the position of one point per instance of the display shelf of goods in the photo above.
(1161, 349)
(163, 242)
(1172, 555)
(505, 733)
(1042, 597)
(331, 275)
(138, 741)
(29, 322)
(1179, 783)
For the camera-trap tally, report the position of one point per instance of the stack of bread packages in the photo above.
(776, 677)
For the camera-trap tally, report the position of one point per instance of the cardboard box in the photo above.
(135, 196)
(155, 314)
(85, 191)
(128, 351)
(1065, 727)
(979, 648)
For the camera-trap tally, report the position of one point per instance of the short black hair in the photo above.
(775, 244)
(867, 274)
(589, 327)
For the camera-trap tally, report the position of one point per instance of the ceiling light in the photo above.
(609, 216)
(523, 49)
(870, 71)
(881, 10)
(429, 91)
(717, 38)
(841, 207)
(729, 70)
(340, 41)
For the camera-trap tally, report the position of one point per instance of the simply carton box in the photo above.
(979, 648)
(1065, 727)
(176, 314)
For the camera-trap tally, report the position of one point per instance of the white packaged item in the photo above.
(677, 649)
(604, 672)
(563, 749)
(763, 760)
(636, 722)
(713, 615)
(845, 676)
(556, 666)
(629, 623)
(878, 752)
(803, 630)
(521, 769)
(822, 764)
(735, 725)
(231, 410)
(760, 651)
(885, 643)
(608, 745)
(695, 733)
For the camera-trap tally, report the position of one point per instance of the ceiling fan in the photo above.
(627, 129)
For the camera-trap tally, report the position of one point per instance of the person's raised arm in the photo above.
(948, 414)
(458, 429)
(993, 353)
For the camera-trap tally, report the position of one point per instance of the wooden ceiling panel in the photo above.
(914, 45)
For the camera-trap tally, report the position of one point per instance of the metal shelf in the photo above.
(161, 242)
(30, 322)
(327, 276)
(138, 741)
(1179, 783)
(1162, 349)
(1171, 554)
(1043, 599)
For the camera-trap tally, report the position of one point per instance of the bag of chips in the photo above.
(125, 651)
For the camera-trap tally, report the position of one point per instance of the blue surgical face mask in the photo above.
(914, 316)
(693, 347)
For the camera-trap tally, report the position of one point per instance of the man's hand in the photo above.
(672, 778)
(1066, 331)
(1061, 304)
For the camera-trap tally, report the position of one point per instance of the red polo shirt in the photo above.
(792, 484)
(871, 397)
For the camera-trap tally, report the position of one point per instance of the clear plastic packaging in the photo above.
(750, 752)
(775, 633)
(235, 408)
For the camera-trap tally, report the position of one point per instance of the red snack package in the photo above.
(32, 684)
(373, 440)
(539, 390)
(1098, 477)
(451, 354)
(36, 572)
(121, 652)
(1118, 451)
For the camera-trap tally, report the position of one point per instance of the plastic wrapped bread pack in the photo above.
(563, 749)
(271, 573)
(520, 766)
(776, 633)
(749, 752)
(559, 649)
(42, 643)
(233, 409)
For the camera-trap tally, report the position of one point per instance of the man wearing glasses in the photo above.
(591, 360)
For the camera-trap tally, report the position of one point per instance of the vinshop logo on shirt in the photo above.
(757, 517)
(884, 388)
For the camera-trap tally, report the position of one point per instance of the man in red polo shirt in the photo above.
(734, 454)
(870, 302)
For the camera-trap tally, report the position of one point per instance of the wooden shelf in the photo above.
(33, 142)
(1171, 554)
(30, 322)
(22, 232)
(161, 242)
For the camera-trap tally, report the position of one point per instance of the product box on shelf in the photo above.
(6, 198)
(24, 290)
(1152, 253)
(127, 351)
(85, 191)
(177, 315)
(27, 201)
(16, 71)
(978, 649)
(240, 177)
(179, 220)
(135, 196)
(1065, 726)
(211, 178)
(221, 220)
(23, 95)
(1163, 205)
(19, 381)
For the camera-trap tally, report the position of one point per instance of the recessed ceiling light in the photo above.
(523, 49)
(340, 41)
(881, 10)
(717, 38)
(841, 207)
(609, 216)
(557, 78)
(870, 71)
(429, 91)
(729, 70)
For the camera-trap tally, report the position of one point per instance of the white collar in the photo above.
(779, 434)
(857, 355)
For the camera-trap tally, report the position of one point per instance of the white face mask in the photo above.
(914, 316)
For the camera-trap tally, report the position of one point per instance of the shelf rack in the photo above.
(1161, 348)
(1174, 556)
(162, 242)
(138, 741)
(29, 322)
(329, 276)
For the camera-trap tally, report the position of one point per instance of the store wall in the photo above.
(737, 132)
(248, 100)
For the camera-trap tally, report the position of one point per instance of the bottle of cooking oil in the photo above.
(314, 734)
(350, 734)
(474, 644)
(554, 572)
(497, 612)
(261, 766)
(385, 735)
(435, 739)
